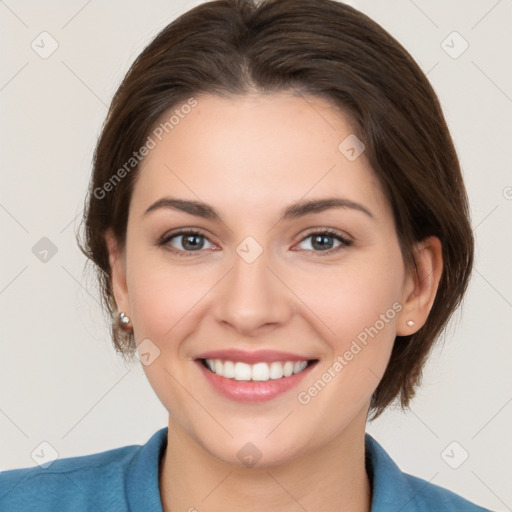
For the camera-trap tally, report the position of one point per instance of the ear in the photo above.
(117, 261)
(420, 288)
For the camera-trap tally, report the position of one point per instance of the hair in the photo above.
(322, 48)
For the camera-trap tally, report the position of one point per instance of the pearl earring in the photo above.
(410, 323)
(124, 321)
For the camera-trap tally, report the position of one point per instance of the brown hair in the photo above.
(318, 47)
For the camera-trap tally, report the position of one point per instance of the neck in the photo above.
(330, 478)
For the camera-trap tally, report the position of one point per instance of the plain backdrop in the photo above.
(60, 379)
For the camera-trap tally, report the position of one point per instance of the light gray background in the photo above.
(60, 380)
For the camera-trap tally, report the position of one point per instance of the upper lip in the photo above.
(263, 356)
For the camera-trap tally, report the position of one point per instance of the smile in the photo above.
(253, 383)
(255, 372)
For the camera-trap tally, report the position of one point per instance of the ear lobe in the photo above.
(421, 289)
(117, 264)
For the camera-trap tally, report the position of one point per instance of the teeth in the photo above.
(256, 372)
(299, 366)
(242, 370)
(276, 370)
(228, 369)
(260, 371)
(288, 369)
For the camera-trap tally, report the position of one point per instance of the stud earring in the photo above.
(125, 322)
(410, 323)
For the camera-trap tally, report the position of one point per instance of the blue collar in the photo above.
(392, 490)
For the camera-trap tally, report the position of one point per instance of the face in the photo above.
(250, 275)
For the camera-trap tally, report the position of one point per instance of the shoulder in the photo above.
(396, 490)
(72, 481)
(88, 482)
(429, 496)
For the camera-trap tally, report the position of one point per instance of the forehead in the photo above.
(255, 151)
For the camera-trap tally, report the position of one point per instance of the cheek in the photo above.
(359, 303)
(360, 310)
(353, 298)
(162, 295)
(167, 296)
(165, 300)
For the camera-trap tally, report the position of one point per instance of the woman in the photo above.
(281, 232)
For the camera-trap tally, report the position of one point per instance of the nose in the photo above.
(252, 297)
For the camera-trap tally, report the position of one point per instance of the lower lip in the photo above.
(253, 391)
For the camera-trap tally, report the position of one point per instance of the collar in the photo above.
(392, 490)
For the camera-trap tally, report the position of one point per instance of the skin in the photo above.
(250, 157)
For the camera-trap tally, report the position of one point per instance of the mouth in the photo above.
(258, 372)
(256, 382)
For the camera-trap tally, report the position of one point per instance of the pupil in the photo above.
(322, 242)
(190, 242)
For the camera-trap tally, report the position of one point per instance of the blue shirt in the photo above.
(126, 479)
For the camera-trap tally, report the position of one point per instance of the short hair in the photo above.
(316, 47)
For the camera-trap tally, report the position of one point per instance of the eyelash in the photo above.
(345, 242)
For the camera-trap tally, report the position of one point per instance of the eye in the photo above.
(326, 241)
(184, 242)
(187, 242)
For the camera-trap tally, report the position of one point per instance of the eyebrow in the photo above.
(293, 211)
